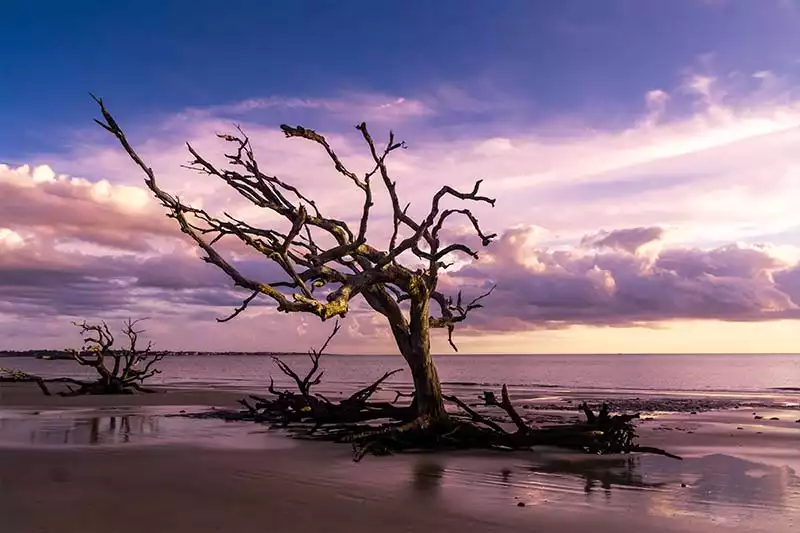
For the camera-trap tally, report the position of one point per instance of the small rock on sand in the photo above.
(520, 504)
(774, 418)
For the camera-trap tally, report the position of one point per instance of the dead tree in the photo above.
(120, 370)
(315, 410)
(326, 262)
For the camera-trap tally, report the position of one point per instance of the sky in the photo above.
(644, 157)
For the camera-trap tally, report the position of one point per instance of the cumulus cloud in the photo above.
(540, 288)
(62, 208)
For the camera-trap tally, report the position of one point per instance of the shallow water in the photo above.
(714, 486)
(127, 426)
(523, 373)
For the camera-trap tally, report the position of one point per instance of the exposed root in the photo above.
(505, 404)
(17, 376)
(382, 428)
(385, 428)
(366, 393)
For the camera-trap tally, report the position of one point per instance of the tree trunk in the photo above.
(417, 353)
(427, 388)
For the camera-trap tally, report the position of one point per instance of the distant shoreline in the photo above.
(62, 354)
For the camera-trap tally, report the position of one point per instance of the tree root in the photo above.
(382, 428)
(357, 422)
(98, 387)
(17, 376)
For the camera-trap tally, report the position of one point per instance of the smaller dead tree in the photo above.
(120, 370)
(303, 406)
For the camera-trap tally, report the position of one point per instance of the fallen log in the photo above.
(18, 376)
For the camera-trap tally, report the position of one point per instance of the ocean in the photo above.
(756, 373)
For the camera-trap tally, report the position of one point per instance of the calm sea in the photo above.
(700, 373)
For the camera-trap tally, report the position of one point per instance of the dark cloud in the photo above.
(539, 288)
(788, 282)
(36, 279)
(628, 240)
(727, 261)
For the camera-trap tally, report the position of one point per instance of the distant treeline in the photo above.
(42, 354)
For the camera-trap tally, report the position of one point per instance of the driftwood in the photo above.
(304, 406)
(385, 427)
(120, 370)
(17, 376)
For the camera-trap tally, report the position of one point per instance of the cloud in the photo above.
(729, 171)
(629, 240)
(352, 106)
(539, 288)
(64, 208)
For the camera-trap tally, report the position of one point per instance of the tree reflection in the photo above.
(427, 476)
(604, 474)
(94, 430)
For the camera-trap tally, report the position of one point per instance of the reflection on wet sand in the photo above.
(724, 479)
(133, 427)
(713, 488)
(427, 477)
(620, 472)
(702, 482)
(91, 430)
(708, 486)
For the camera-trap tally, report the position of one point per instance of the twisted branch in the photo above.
(350, 266)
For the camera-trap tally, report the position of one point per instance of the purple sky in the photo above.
(644, 157)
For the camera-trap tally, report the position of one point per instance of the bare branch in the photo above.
(125, 373)
(299, 131)
(364, 394)
(477, 417)
(319, 251)
(314, 375)
(241, 308)
(453, 313)
(506, 405)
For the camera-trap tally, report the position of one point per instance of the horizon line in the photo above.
(457, 354)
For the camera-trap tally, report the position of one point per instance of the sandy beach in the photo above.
(126, 463)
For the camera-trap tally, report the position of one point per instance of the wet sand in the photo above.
(28, 395)
(93, 464)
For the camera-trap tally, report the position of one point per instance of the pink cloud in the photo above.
(63, 208)
(629, 239)
(726, 173)
(551, 289)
